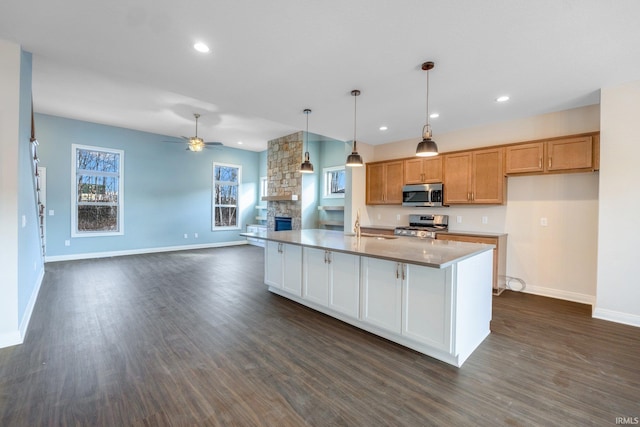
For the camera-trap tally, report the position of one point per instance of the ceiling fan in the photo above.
(195, 143)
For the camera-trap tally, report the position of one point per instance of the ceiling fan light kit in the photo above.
(195, 143)
(354, 159)
(427, 147)
(306, 166)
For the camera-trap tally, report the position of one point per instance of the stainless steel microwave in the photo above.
(422, 195)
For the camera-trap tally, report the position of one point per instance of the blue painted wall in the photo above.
(30, 261)
(167, 189)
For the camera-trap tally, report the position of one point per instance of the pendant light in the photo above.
(427, 147)
(306, 166)
(354, 159)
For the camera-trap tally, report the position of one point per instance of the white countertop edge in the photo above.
(375, 248)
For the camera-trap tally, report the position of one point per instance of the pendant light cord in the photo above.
(427, 97)
(355, 103)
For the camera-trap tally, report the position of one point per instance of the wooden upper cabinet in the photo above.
(457, 178)
(571, 153)
(474, 177)
(423, 170)
(384, 183)
(524, 158)
(576, 154)
(487, 178)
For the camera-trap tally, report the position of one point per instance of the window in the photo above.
(334, 182)
(97, 190)
(263, 187)
(226, 182)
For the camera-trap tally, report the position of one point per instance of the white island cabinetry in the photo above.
(407, 299)
(381, 294)
(433, 296)
(283, 267)
(331, 279)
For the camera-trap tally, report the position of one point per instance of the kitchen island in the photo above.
(429, 295)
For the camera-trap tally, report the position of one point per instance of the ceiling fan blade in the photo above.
(213, 143)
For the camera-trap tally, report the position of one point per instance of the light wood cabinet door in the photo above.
(474, 177)
(384, 183)
(570, 153)
(375, 183)
(457, 178)
(556, 156)
(524, 158)
(423, 171)
(487, 178)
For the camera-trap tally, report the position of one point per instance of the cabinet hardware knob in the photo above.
(549, 162)
(540, 163)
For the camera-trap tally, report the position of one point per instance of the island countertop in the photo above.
(428, 252)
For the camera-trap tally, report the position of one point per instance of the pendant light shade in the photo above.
(306, 166)
(427, 147)
(354, 159)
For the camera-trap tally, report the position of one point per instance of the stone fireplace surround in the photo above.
(284, 180)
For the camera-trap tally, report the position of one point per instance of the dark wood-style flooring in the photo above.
(194, 338)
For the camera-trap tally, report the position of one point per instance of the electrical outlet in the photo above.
(195, 235)
(51, 212)
(485, 220)
(544, 222)
(459, 219)
(398, 217)
(186, 236)
(67, 242)
(379, 216)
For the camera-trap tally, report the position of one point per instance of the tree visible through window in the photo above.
(226, 183)
(98, 189)
(334, 182)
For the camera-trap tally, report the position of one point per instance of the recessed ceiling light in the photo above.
(434, 115)
(383, 128)
(239, 142)
(503, 98)
(201, 47)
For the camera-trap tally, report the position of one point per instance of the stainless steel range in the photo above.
(424, 226)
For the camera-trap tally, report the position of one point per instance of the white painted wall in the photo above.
(558, 260)
(618, 295)
(9, 136)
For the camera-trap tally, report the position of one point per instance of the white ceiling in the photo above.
(131, 63)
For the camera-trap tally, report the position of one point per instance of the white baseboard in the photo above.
(17, 337)
(26, 318)
(92, 255)
(10, 339)
(559, 294)
(617, 316)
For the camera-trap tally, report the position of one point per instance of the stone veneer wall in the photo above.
(284, 156)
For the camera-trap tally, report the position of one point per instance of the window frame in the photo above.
(326, 192)
(238, 225)
(74, 191)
